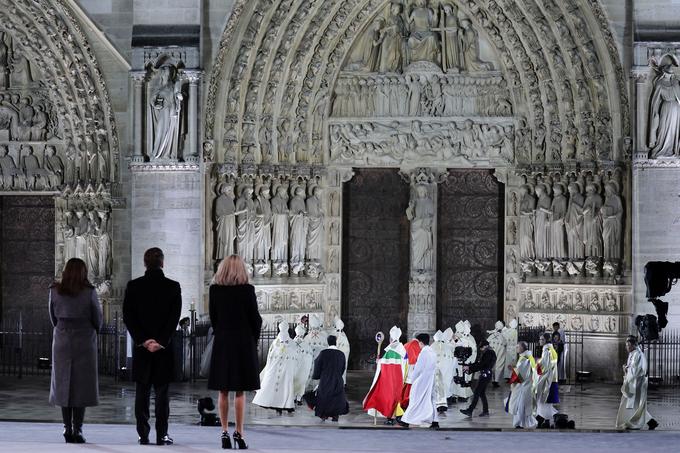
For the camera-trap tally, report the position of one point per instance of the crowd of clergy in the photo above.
(417, 380)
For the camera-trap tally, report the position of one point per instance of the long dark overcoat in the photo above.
(330, 395)
(236, 323)
(151, 310)
(76, 322)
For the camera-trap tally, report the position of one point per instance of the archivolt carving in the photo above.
(49, 56)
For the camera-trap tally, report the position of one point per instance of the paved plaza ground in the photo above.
(30, 424)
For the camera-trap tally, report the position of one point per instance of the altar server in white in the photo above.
(546, 385)
(522, 402)
(421, 409)
(633, 409)
(498, 343)
(510, 334)
(277, 380)
(342, 343)
(305, 362)
(442, 381)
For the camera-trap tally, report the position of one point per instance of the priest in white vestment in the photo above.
(277, 380)
(444, 375)
(305, 362)
(510, 334)
(546, 383)
(449, 340)
(316, 338)
(421, 408)
(522, 402)
(498, 343)
(342, 344)
(633, 409)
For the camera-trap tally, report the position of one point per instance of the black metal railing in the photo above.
(572, 355)
(663, 359)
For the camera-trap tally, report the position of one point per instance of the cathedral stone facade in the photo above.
(388, 161)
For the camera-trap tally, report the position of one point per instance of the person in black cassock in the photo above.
(484, 365)
(330, 394)
(151, 311)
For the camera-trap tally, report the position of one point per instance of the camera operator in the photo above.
(484, 366)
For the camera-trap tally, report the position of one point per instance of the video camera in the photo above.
(462, 354)
(660, 276)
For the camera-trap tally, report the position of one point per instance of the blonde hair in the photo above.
(231, 271)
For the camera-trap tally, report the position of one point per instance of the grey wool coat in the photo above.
(76, 322)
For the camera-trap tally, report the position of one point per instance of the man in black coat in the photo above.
(484, 366)
(330, 395)
(151, 311)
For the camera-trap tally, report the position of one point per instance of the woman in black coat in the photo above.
(236, 322)
(330, 394)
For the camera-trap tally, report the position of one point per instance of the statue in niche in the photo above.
(391, 48)
(245, 213)
(298, 229)
(452, 42)
(469, 47)
(4, 62)
(527, 205)
(415, 84)
(166, 110)
(574, 222)
(423, 43)
(70, 171)
(9, 119)
(39, 124)
(82, 227)
(612, 221)
(664, 110)
(280, 230)
(92, 240)
(104, 245)
(21, 73)
(262, 225)
(558, 241)
(315, 230)
(224, 215)
(420, 212)
(542, 221)
(610, 302)
(26, 113)
(365, 55)
(69, 232)
(12, 176)
(32, 168)
(595, 303)
(592, 221)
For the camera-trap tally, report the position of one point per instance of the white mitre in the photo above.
(395, 333)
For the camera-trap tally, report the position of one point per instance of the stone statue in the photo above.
(104, 245)
(26, 113)
(451, 33)
(262, 224)
(298, 230)
(54, 167)
(12, 177)
(527, 204)
(664, 110)
(364, 56)
(69, 231)
(574, 222)
(166, 110)
(224, 216)
(32, 168)
(315, 230)
(391, 49)
(592, 221)
(21, 73)
(92, 240)
(82, 227)
(420, 212)
(423, 43)
(245, 213)
(280, 231)
(4, 63)
(558, 243)
(469, 48)
(39, 125)
(612, 221)
(542, 221)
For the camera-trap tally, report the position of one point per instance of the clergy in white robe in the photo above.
(277, 379)
(498, 343)
(342, 343)
(510, 334)
(449, 340)
(546, 383)
(462, 381)
(316, 338)
(522, 402)
(305, 362)
(444, 375)
(421, 408)
(633, 409)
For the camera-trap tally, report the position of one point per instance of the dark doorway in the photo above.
(470, 250)
(27, 255)
(375, 260)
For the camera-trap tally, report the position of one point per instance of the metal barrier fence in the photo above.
(572, 355)
(663, 359)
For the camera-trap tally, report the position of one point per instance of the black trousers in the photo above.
(480, 393)
(161, 406)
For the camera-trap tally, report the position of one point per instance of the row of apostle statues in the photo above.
(85, 231)
(23, 119)
(433, 32)
(570, 221)
(282, 233)
(287, 376)
(29, 171)
(435, 95)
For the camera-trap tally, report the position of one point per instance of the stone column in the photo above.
(192, 134)
(422, 213)
(138, 110)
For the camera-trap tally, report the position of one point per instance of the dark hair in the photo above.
(547, 337)
(73, 279)
(483, 343)
(332, 340)
(523, 345)
(557, 335)
(556, 324)
(423, 338)
(632, 340)
(153, 258)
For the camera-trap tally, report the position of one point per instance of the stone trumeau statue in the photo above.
(165, 103)
(420, 212)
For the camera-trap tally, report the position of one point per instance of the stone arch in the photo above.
(50, 38)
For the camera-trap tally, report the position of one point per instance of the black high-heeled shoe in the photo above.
(68, 434)
(240, 442)
(226, 440)
(78, 436)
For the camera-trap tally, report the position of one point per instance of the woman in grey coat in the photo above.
(76, 316)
